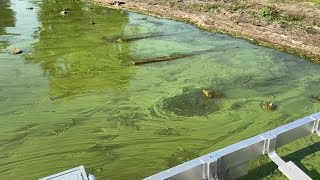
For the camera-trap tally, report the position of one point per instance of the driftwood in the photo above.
(134, 38)
(316, 98)
(160, 59)
(170, 57)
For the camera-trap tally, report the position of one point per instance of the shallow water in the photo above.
(73, 97)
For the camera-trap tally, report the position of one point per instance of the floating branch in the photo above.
(120, 39)
(160, 59)
(316, 98)
(171, 57)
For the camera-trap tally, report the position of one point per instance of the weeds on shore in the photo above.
(269, 12)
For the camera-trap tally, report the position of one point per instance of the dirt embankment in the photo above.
(291, 26)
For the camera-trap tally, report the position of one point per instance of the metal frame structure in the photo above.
(228, 163)
(77, 173)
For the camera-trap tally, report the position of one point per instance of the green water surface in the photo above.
(75, 98)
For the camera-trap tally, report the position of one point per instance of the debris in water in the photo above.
(210, 93)
(172, 57)
(268, 106)
(92, 23)
(134, 38)
(16, 51)
(29, 8)
(66, 9)
(163, 58)
(64, 12)
(316, 98)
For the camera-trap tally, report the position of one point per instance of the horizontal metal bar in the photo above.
(226, 163)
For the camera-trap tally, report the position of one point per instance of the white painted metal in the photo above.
(77, 173)
(227, 163)
(290, 170)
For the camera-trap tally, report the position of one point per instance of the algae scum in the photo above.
(74, 97)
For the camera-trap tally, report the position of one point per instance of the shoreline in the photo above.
(274, 39)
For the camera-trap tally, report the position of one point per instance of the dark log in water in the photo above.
(160, 59)
(171, 57)
(316, 98)
(120, 39)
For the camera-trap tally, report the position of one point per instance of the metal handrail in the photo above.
(226, 163)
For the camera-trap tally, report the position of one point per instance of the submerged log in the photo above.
(171, 57)
(160, 59)
(316, 98)
(120, 39)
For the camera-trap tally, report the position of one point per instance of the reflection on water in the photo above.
(71, 52)
(7, 15)
(8, 21)
(74, 97)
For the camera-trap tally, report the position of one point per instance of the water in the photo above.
(73, 97)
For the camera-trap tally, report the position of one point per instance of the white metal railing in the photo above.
(226, 163)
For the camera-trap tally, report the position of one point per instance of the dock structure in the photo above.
(230, 162)
(77, 173)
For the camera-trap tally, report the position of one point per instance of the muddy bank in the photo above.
(291, 27)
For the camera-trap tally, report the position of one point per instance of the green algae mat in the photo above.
(74, 96)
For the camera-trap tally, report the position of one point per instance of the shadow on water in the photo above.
(192, 102)
(296, 157)
(78, 62)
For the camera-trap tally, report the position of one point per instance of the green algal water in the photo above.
(74, 97)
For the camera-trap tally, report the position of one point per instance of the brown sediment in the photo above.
(295, 29)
